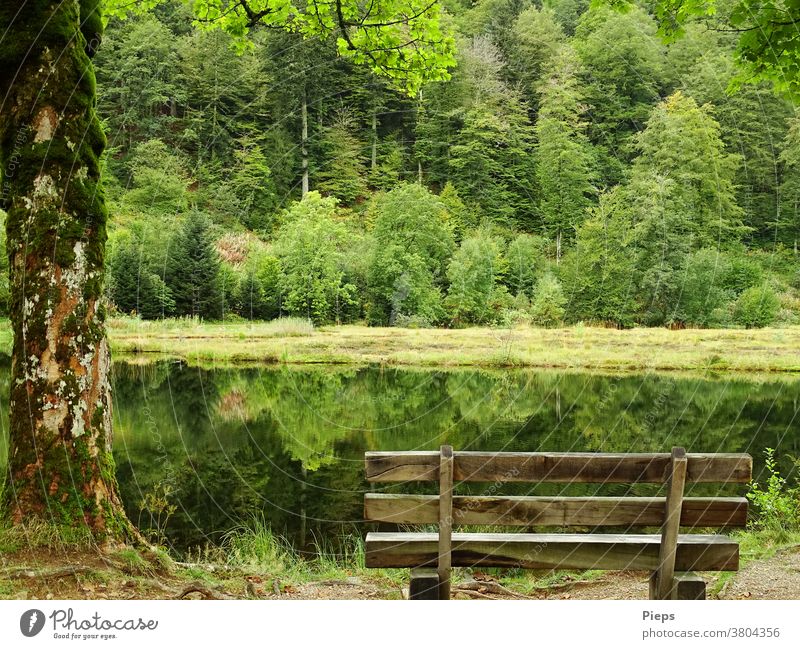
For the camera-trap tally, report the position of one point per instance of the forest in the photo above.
(573, 168)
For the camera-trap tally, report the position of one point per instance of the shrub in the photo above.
(756, 307)
(778, 505)
(547, 309)
(473, 273)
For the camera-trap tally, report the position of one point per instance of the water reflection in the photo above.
(286, 444)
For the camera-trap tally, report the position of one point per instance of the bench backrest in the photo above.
(559, 511)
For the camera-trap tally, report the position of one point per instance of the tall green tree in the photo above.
(788, 222)
(565, 161)
(681, 198)
(623, 68)
(193, 270)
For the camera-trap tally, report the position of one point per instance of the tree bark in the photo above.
(304, 144)
(61, 469)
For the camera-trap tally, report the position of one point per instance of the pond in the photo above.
(286, 444)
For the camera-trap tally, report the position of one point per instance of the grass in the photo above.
(255, 546)
(292, 340)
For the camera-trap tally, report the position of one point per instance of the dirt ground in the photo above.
(93, 576)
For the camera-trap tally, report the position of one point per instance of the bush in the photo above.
(778, 505)
(756, 307)
(473, 273)
(547, 309)
(413, 243)
(742, 273)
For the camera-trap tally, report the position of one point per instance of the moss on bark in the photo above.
(60, 463)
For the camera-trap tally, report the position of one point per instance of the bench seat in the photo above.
(705, 552)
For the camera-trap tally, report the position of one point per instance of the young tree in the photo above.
(61, 466)
(413, 244)
(251, 182)
(526, 261)
(133, 286)
(564, 157)
(547, 308)
(475, 273)
(193, 270)
(599, 273)
(343, 172)
(311, 246)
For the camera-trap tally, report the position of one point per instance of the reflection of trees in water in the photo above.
(288, 443)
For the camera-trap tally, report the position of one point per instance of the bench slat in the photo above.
(549, 551)
(554, 511)
(472, 466)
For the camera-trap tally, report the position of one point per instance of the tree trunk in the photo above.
(304, 144)
(374, 157)
(60, 464)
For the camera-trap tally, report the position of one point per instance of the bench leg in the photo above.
(689, 585)
(424, 584)
(685, 585)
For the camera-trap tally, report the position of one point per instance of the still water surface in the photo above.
(286, 444)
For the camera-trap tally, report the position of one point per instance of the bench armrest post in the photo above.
(676, 480)
(445, 519)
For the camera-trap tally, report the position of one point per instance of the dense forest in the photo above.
(575, 168)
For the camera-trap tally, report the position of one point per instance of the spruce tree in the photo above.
(193, 270)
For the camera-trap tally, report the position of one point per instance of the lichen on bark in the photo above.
(60, 464)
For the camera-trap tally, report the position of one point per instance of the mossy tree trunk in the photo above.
(60, 465)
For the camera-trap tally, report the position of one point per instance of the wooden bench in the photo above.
(671, 557)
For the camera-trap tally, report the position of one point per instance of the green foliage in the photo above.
(491, 156)
(767, 47)
(547, 308)
(551, 135)
(375, 39)
(565, 159)
(133, 285)
(536, 40)
(251, 183)
(599, 273)
(788, 221)
(475, 273)
(778, 504)
(193, 270)
(343, 174)
(311, 246)
(413, 243)
(757, 307)
(623, 68)
(158, 177)
(526, 261)
(703, 294)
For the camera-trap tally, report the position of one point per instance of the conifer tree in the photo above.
(193, 270)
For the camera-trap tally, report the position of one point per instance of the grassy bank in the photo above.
(579, 347)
